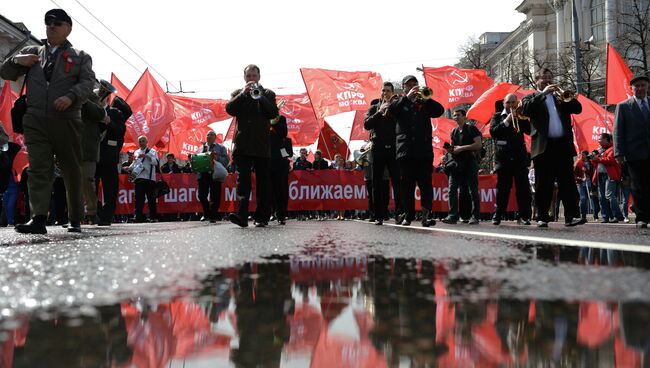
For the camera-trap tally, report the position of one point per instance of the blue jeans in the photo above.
(608, 190)
(9, 200)
(584, 189)
(625, 194)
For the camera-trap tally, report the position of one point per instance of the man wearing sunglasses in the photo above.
(59, 79)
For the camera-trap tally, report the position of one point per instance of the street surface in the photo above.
(326, 294)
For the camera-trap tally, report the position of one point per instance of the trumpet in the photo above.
(425, 93)
(518, 116)
(257, 91)
(564, 95)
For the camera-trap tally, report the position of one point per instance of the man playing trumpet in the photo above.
(552, 147)
(507, 129)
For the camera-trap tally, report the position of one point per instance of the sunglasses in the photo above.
(55, 23)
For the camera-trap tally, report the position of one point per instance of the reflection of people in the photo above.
(253, 107)
(59, 79)
(382, 134)
(632, 145)
(507, 129)
(552, 148)
(207, 185)
(414, 149)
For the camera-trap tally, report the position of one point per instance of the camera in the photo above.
(593, 154)
(446, 145)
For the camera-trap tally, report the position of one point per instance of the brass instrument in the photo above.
(257, 91)
(281, 103)
(564, 95)
(425, 93)
(517, 116)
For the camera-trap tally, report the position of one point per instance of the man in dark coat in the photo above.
(382, 134)
(552, 148)
(253, 107)
(281, 151)
(414, 150)
(507, 129)
(632, 145)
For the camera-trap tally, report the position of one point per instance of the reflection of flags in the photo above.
(330, 143)
(617, 78)
(589, 124)
(153, 111)
(333, 92)
(453, 86)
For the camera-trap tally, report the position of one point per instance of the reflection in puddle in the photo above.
(329, 311)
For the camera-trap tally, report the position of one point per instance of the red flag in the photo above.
(588, 125)
(7, 98)
(122, 90)
(333, 92)
(484, 108)
(453, 86)
(153, 111)
(617, 79)
(330, 143)
(302, 125)
(358, 132)
(441, 130)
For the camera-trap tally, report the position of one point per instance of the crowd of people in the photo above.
(74, 131)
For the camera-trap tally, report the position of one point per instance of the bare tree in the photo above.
(634, 33)
(473, 55)
(591, 68)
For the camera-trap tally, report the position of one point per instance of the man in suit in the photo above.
(507, 129)
(632, 145)
(552, 148)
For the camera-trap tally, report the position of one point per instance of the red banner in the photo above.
(122, 90)
(617, 78)
(453, 86)
(333, 92)
(308, 190)
(302, 125)
(153, 111)
(359, 133)
(485, 107)
(588, 125)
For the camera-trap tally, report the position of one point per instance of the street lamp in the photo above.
(576, 40)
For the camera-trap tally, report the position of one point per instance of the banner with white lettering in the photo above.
(308, 191)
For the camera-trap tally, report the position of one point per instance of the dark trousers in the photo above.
(505, 175)
(207, 186)
(145, 187)
(108, 176)
(279, 177)
(555, 164)
(416, 170)
(382, 159)
(60, 201)
(640, 184)
(465, 178)
(245, 165)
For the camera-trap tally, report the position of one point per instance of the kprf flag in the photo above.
(7, 99)
(302, 125)
(454, 86)
(588, 125)
(333, 92)
(618, 78)
(485, 106)
(153, 111)
(441, 130)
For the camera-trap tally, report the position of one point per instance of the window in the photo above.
(598, 19)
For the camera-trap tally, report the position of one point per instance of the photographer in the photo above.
(607, 174)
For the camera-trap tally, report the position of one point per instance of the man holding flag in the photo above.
(632, 145)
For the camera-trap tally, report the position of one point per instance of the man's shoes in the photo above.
(406, 222)
(473, 221)
(465, 221)
(523, 222)
(34, 226)
(93, 219)
(61, 223)
(626, 220)
(613, 221)
(570, 222)
(379, 222)
(496, 220)
(428, 222)
(541, 223)
(641, 225)
(282, 222)
(604, 221)
(259, 224)
(449, 220)
(203, 219)
(75, 227)
(235, 219)
(399, 218)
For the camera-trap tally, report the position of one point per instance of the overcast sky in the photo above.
(206, 44)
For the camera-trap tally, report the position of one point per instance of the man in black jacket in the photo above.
(552, 148)
(382, 134)
(253, 107)
(117, 113)
(281, 151)
(414, 150)
(507, 129)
